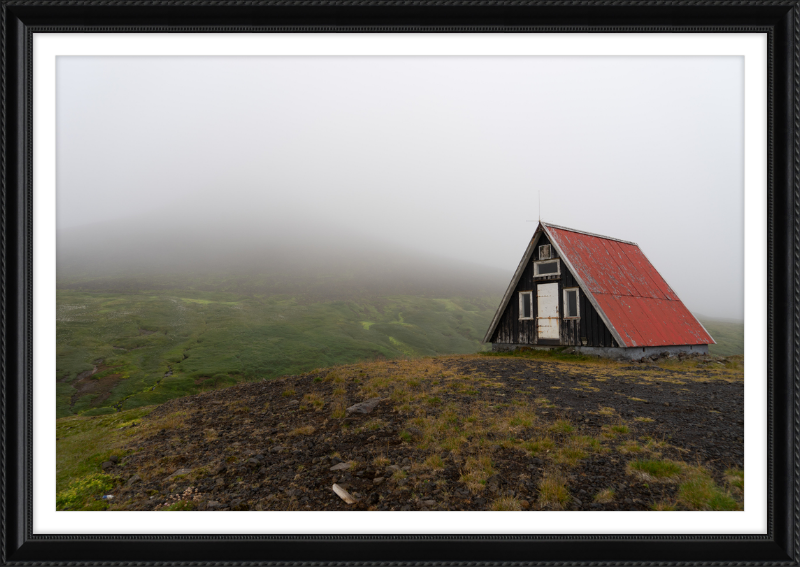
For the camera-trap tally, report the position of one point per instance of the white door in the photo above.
(547, 320)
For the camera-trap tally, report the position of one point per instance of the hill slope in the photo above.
(121, 351)
(155, 308)
(539, 431)
(728, 334)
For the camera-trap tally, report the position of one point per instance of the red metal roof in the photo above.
(632, 295)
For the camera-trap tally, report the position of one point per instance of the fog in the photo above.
(248, 253)
(396, 173)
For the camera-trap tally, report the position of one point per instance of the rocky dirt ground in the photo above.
(451, 433)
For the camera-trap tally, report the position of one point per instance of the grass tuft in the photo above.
(553, 490)
(381, 461)
(735, 478)
(700, 492)
(312, 401)
(434, 462)
(506, 504)
(305, 430)
(655, 470)
(605, 496)
(536, 446)
(663, 506)
(478, 470)
(562, 426)
(339, 411)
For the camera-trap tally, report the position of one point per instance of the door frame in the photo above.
(557, 317)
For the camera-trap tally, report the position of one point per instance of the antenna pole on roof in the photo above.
(540, 208)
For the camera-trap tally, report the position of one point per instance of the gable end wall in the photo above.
(590, 327)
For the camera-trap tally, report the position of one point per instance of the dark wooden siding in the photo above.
(588, 330)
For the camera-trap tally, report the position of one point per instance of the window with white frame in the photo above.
(571, 304)
(547, 268)
(544, 252)
(526, 305)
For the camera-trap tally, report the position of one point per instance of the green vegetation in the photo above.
(84, 493)
(482, 432)
(656, 469)
(506, 504)
(562, 426)
(126, 350)
(735, 477)
(553, 490)
(552, 354)
(85, 442)
(729, 336)
(700, 492)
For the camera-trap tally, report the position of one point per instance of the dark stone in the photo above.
(415, 434)
(495, 479)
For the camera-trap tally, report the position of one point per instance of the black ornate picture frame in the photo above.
(779, 19)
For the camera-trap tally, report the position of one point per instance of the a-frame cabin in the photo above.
(598, 294)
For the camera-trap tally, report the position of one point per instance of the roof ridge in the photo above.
(549, 225)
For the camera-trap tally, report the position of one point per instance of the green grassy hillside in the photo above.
(118, 351)
(122, 351)
(728, 334)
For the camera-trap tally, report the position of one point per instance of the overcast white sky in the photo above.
(443, 154)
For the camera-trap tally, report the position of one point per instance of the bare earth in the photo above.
(450, 433)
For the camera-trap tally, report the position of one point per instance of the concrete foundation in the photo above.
(635, 353)
(508, 347)
(632, 353)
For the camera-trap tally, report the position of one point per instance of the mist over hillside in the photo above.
(260, 254)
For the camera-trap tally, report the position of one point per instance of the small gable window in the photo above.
(571, 309)
(544, 252)
(526, 305)
(547, 268)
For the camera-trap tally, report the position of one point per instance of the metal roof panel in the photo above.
(643, 266)
(637, 302)
(620, 319)
(643, 284)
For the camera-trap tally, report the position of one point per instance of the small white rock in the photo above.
(343, 494)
